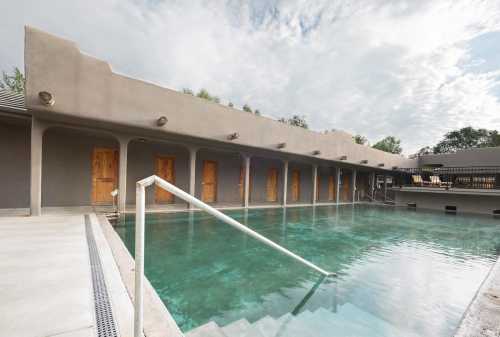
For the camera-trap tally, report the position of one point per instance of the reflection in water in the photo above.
(401, 273)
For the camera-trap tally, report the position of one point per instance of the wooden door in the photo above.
(104, 174)
(165, 168)
(331, 188)
(209, 181)
(295, 185)
(272, 184)
(346, 188)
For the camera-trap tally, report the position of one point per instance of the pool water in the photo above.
(400, 272)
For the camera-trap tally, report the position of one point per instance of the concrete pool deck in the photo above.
(46, 286)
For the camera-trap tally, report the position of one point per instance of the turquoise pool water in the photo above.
(400, 272)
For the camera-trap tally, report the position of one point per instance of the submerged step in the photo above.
(237, 328)
(210, 329)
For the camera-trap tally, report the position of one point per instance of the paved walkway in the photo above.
(45, 283)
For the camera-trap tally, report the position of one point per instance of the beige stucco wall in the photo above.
(86, 88)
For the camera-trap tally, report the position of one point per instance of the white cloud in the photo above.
(403, 68)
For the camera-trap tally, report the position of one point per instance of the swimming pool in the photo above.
(400, 272)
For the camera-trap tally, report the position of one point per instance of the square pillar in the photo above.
(315, 184)
(285, 181)
(337, 185)
(37, 130)
(122, 174)
(192, 172)
(385, 187)
(373, 182)
(354, 173)
(246, 189)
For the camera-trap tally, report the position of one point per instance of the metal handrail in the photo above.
(139, 238)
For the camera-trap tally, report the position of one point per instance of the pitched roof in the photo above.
(10, 100)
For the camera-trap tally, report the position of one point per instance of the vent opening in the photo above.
(412, 205)
(450, 209)
(496, 212)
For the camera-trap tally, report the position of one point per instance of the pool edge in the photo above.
(481, 316)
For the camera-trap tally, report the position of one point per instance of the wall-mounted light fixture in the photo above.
(233, 136)
(316, 152)
(343, 158)
(395, 167)
(364, 161)
(281, 145)
(161, 121)
(381, 165)
(46, 98)
(142, 140)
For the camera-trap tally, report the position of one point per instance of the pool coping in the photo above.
(482, 317)
(158, 322)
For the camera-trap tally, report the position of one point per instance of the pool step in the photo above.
(348, 320)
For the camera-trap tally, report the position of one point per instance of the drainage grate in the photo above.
(104, 316)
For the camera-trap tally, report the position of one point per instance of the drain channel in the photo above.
(104, 315)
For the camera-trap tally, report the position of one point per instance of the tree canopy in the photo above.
(362, 140)
(295, 120)
(389, 144)
(13, 82)
(467, 138)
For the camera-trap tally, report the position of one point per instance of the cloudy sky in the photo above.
(414, 69)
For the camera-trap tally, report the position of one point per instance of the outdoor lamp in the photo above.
(233, 136)
(364, 161)
(162, 121)
(46, 98)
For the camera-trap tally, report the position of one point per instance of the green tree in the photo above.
(257, 112)
(230, 104)
(14, 82)
(358, 139)
(295, 120)
(203, 93)
(187, 91)
(389, 144)
(467, 138)
(247, 108)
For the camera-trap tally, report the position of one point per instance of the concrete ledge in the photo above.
(442, 190)
(482, 318)
(158, 322)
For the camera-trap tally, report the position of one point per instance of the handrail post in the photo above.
(139, 259)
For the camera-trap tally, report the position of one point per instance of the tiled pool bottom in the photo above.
(400, 272)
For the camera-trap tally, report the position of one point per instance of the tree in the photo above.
(230, 104)
(358, 139)
(247, 108)
(389, 144)
(257, 112)
(203, 93)
(14, 82)
(467, 138)
(295, 120)
(187, 91)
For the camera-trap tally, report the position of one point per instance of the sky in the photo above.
(411, 69)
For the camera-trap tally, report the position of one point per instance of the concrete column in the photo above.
(337, 186)
(285, 181)
(354, 173)
(192, 172)
(246, 189)
(122, 174)
(315, 183)
(385, 187)
(373, 182)
(37, 130)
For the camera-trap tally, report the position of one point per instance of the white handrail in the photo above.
(139, 238)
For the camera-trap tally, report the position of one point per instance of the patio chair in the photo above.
(418, 181)
(436, 181)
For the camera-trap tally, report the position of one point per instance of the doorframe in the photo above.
(298, 184)
(276, 170)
